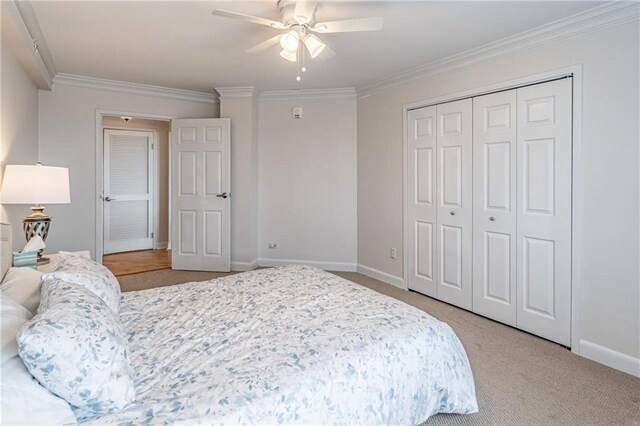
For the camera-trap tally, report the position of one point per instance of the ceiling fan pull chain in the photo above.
(298, 78)
(304, 57)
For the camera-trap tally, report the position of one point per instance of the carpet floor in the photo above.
(520, 379)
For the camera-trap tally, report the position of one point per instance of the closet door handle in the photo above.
(452, 213)
(492, 219)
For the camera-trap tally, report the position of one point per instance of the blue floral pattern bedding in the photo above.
(292, 345)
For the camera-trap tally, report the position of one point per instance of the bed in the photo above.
(290, 345)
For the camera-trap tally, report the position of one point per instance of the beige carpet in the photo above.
(520, 379)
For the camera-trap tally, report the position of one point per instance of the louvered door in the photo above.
(128, 190)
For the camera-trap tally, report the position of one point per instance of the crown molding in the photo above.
(237, 92)
(591, 20)
(74, 80)
(283, 95)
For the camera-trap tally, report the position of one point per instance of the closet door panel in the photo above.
(421, 214)
(544, 210)
(454, 200)
(494, 206)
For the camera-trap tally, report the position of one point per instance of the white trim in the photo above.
(74, 80)
(236, 92)
(609, 357)
(283, 95)
(327, 266)
(381, 276)
(161, 246)
(576, 190)
(99, 162)
(244, 266)
(594, 19)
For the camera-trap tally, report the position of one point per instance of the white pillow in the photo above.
(22, 399)
(23, 286)
(77, 349)
(89, 274)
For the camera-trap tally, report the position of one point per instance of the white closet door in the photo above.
(128, 190)
(454, 198)
(544, 210)
(494, 200)
(421, 214)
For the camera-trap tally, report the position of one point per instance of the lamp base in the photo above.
(43, 260)
(37, 223)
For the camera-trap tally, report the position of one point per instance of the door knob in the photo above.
(492, 219)
(223, 195)
(452, 213)
(109, 199)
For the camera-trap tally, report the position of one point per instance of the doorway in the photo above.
(135, 194)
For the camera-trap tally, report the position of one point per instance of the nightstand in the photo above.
(53, 260)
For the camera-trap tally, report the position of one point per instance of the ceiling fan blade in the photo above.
(248, 18)
(348, 25)
(264, 45)
(304, 11)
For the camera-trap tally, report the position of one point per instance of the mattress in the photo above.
(291, 345)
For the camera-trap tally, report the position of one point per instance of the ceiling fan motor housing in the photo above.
(287, 9)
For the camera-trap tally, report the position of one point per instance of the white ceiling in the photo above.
(181, 45)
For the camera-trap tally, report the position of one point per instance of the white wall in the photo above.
(19, 122)
(308, 182)
(244, 178)
(611, 289)
(162, 130)
(67, 137)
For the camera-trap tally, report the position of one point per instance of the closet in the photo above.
(489, 205)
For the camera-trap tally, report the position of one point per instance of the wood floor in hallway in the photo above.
(134, 262)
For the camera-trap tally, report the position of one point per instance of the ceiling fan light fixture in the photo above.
(320, 28)
(314, 45)
(289, 41)
(289, 56)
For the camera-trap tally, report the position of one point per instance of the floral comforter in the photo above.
(292, 345)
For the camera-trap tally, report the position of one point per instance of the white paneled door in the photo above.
(200, 194)
(421, 215)
(128, 190)
(454, 202)
(494, 200)
(544, 210)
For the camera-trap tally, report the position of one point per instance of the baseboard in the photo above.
(244, 266)
(381, 276)
(327, 266)
(610, 358)
(162, 246)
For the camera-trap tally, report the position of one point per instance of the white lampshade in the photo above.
(289, 56)
(314, 45)
(35, 185)
(289, 41)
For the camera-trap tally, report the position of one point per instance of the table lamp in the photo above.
(37, 185)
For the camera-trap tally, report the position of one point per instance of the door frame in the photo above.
(575, 71)
(99, 163)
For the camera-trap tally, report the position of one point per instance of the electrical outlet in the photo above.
(273, 245)
(392, 253)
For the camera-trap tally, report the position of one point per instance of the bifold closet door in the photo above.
(494, 200)
(454, 198)
(544, 210)
(421, 190)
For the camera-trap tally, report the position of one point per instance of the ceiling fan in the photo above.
(297, 30)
